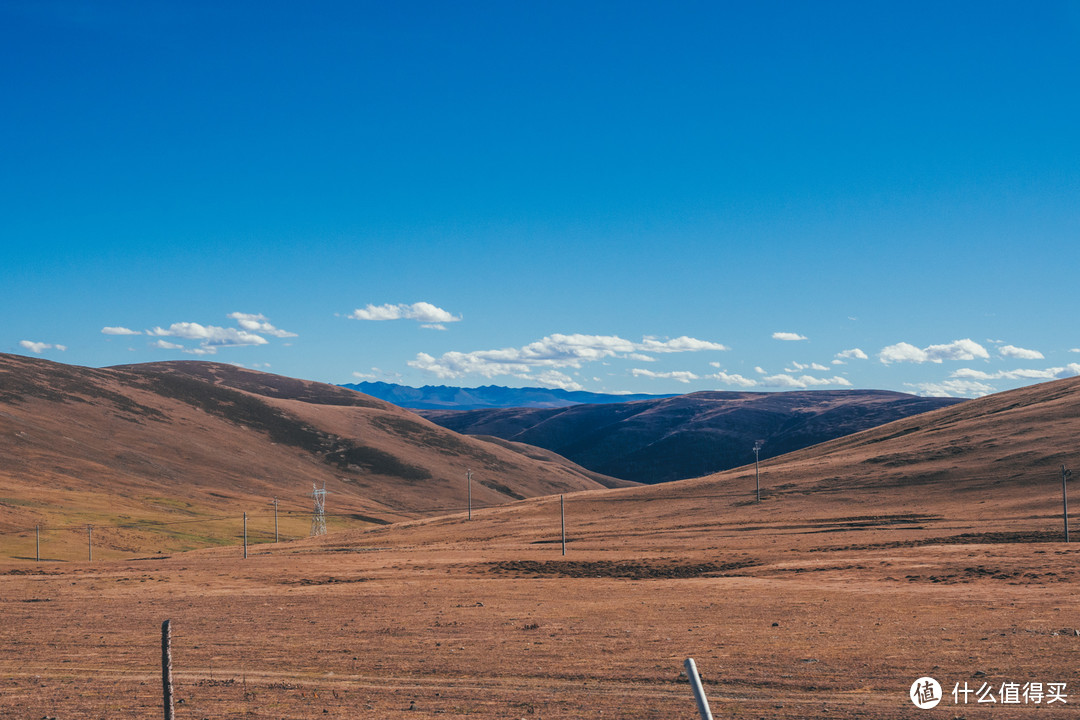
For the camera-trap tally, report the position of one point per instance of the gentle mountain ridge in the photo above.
(689, 435)
(432, 397)
(164, 442)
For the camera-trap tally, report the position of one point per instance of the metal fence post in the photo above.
(166, 669)
(699, 692)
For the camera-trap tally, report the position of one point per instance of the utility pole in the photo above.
(318, 518)
(468, 474)
(757, 475)
(90, 543)
(275, 521)
(37, 543)
(1065, 475)
(245, 536)
(562, 520)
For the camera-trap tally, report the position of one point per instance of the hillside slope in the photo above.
(161, 450)
(690, 435)
(987, 470)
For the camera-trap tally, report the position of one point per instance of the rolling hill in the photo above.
(985, 471)
(691, 435)
(928, 545)
(171, 454)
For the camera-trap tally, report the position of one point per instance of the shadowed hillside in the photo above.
(987, 465)
(653, 441)
(133, 448)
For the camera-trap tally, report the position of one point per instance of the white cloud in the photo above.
(1018, 353)
(258, 324)
(760, 370)
(1070, 370)
(803, 381)
(649, 358)
(556, 379)
(553, 351)
(853, 354)
(424, 312)
(166, 345)
(902, 352)
(211, 335)
(119, 331)
(40, 347)
(788, 336)
(799, 367)
(682, 376)
(1075, 350)
(733, 379)
(956, 350)
(953, 388)
(252, 328)
(679, 344)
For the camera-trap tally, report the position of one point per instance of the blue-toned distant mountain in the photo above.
(686, 436)
(442, 397)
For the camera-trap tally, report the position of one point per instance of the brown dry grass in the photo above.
(929, 548)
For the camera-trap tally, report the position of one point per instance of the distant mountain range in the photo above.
(672, 438)
(434, 397)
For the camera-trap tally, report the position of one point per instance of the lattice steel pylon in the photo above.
(318, 517)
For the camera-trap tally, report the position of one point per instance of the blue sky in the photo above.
(616, 196)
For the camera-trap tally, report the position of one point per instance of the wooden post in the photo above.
(1065, 474)
(37, 543)
(275, 521)
(245, 536)
(699, 692)
(166, 669)
(468, 474)
(562, 518)
(90, 543)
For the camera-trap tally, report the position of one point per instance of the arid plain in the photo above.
(931, 546)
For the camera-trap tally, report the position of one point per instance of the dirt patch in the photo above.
(988, 538)
(325, 581)
(982, 572)
(630, 570)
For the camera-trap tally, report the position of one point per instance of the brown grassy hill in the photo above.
(673, 438)
(987, 465)
(153, 454)
(927, 547)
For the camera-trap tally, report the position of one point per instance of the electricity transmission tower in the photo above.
(318, 517)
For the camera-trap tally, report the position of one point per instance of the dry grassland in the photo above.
(790, 612)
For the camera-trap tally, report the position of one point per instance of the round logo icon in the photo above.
(925, 693)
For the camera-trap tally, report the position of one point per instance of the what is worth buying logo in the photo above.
(925, 693)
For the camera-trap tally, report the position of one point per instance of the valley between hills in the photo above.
(928, 546)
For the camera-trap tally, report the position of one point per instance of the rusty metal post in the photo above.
(166, 669)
